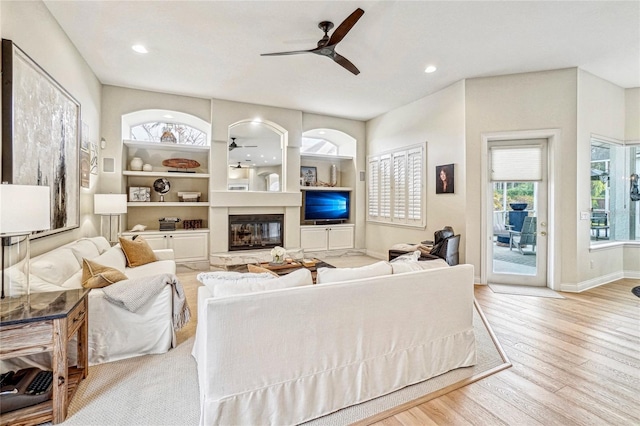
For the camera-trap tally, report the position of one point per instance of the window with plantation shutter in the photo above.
(399, 185)
(373, 188)
(385, 187)
(396, 185)
(414, 185)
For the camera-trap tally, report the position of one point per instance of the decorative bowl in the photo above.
(518, 206)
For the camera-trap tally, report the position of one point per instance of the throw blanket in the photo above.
(134, 293)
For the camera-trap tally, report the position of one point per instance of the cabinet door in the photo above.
(189, 247)
(340, 238)
(156, 242)
(313, 238)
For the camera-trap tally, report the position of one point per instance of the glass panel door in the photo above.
(517, 250)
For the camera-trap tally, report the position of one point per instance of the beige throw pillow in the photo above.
(95, 275)
(138, 252)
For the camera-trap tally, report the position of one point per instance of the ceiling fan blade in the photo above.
(294, 52)
(345, 27)
(346, 63)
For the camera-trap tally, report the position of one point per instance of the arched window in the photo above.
(318, 146)
(156, 125)
(162, 131)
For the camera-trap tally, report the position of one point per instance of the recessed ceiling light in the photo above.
(139, 48)
(256, 121)
(430, 69)
(248, 155)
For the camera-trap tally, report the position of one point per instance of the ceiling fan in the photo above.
(240, 166)
(327, 45)
(233, 145)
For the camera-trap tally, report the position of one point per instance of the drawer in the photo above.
(76, 317)
(25, 339)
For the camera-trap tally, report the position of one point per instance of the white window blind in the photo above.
(399, 185)
(385, 186)
(395, 186)
(514, 163)
(414, 185)
(374, 188)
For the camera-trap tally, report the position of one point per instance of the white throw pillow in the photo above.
(114, 258)
(332, 275)
(55, 267)
(222, 284)
(84, 249)
(101, 243)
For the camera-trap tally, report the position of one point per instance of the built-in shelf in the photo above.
(166, 146)
(324, 157)
(326, 188)
(167, 204)
(167, 174)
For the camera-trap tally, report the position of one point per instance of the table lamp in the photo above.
(110, 205)
(23, 209)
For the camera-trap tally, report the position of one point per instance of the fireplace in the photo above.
(255, 231)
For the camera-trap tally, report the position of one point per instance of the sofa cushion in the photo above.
(95, 275)
(55, 266)
(150, 269)
(230, 283)
(84, 249)
(402, 267)
(259, 269)
(101, 243)
(138, 252)
(332, 275)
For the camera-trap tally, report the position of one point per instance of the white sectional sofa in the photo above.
(114, 333)
(288, 355)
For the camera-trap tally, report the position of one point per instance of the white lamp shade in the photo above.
(108, 204)
(24, 209)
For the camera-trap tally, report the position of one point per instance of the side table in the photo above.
(44, 322)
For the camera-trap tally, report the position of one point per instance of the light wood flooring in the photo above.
(576, 361)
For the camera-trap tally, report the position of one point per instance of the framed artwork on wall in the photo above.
(445, 179)
(309, 176)
(40, 135)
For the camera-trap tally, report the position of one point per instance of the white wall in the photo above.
(437, 119)
(542, 100)
(632, 119)
(31, 27)
(601, 111)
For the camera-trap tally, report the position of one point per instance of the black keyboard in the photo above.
(40, 384)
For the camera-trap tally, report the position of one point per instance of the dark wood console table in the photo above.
(44, 322)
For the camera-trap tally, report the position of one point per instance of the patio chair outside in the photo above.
(526, 237)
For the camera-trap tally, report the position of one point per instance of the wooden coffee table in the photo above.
(288, 267)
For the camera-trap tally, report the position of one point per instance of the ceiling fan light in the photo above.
(430, 69)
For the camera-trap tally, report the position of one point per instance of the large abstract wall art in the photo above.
(40, 135)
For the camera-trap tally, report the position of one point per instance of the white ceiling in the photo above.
(211, 49)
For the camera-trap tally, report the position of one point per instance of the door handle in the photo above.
(543, 233)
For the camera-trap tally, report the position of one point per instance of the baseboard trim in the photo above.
(592, 283)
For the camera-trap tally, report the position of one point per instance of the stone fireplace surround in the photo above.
(225, 203)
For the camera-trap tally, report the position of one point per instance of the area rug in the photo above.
(163, 389)
(524, 290)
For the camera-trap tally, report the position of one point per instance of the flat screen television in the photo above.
(326, 205)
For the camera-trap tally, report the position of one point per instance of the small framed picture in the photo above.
(309, 176)
(445, 179)
(139, 193)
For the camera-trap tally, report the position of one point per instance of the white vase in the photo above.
(333, 175)
(136, 164)
(147, 168)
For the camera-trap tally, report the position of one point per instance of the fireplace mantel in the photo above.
(255, 199)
